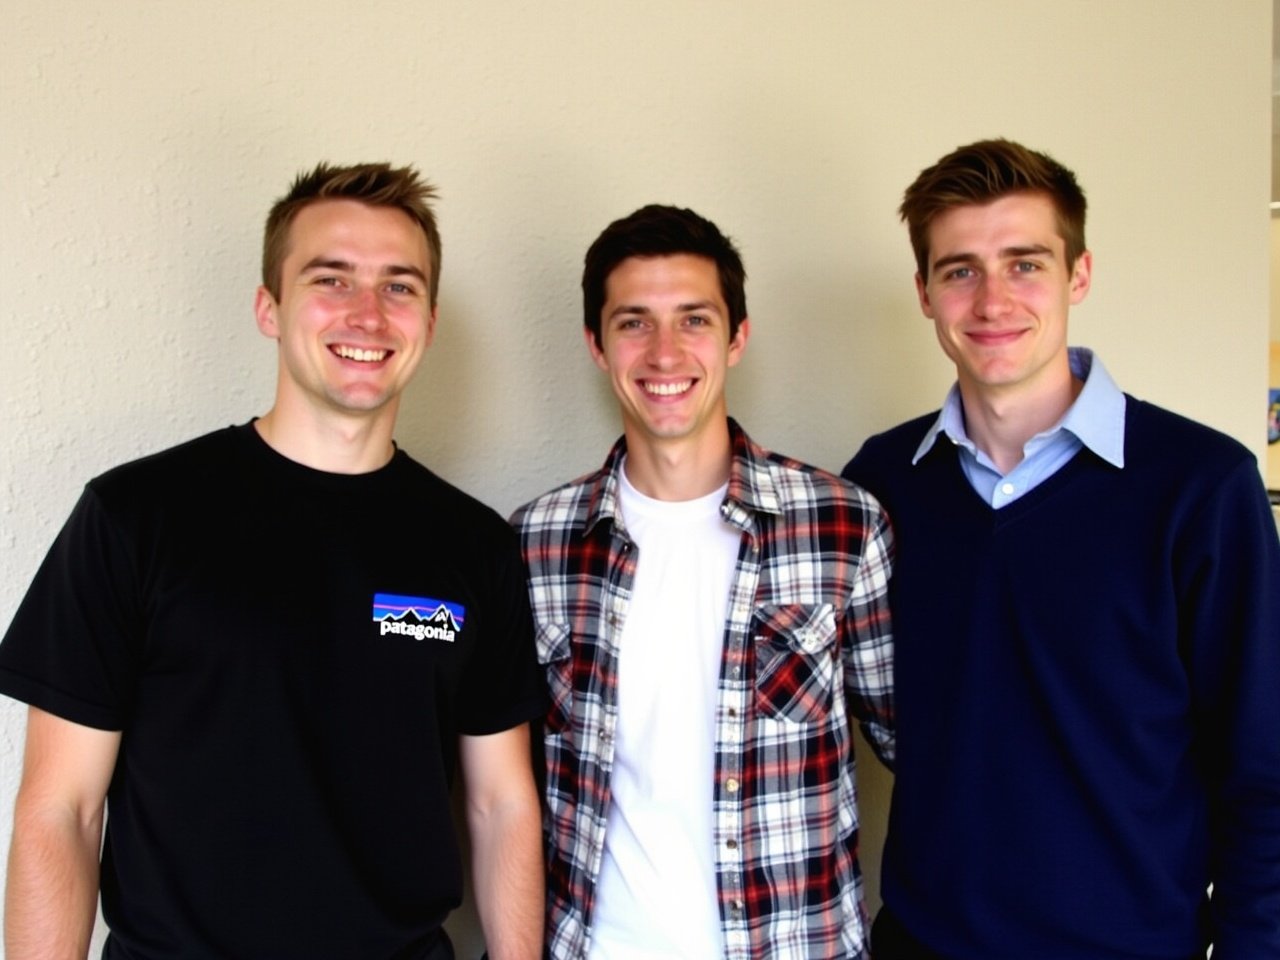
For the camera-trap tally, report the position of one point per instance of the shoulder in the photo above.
(812, 524)
(1165, 446)
(803, 491)
(564, 506)
(191, 462)
(894, 443)
(451, 509)
(888, 452)
(1151, 431)
(1191, 473)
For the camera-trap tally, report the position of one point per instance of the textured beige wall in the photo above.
(1275, 275)
(143, 140)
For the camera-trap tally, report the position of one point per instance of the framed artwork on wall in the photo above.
(1273, 430)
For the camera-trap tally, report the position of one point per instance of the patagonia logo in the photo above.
(418, 617)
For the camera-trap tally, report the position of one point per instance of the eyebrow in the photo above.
(697, 306)
(1007, 253)
(346, 266)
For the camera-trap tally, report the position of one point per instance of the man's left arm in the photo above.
(1231, 608)
(504, 820)
(867, 644)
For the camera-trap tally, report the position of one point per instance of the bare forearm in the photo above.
(509, 878)
(52, 888)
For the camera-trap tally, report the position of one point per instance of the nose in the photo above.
(664, 347)
(366, 310)
(992, 298)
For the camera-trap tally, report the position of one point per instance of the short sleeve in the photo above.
(502, 686)
(72, 647)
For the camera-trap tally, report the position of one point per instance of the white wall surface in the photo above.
(142, 141)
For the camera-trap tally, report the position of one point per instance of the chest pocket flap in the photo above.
(797, 660)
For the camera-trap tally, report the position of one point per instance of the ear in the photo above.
(597, 354)
(738, 345)
(265, 311)
(922, 291)
(1081, 277)
(431, 327)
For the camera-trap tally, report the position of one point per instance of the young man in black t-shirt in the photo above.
(267, 649)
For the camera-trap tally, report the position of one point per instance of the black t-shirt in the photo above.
(290, 655)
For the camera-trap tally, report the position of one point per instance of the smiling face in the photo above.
(354, 314)
(998, 291)
(665, 345)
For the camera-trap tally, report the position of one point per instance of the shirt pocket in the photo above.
(553, 654)
(796, 660)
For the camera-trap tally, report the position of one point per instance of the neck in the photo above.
(334, 444)
(1001, 422)
(678, 470)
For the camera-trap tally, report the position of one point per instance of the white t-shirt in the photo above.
(656, 894)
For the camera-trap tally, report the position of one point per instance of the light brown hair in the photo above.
(374, 184)
(985, 171)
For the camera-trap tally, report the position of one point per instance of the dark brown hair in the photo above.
(661, 231)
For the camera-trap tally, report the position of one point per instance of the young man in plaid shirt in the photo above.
(711, 617)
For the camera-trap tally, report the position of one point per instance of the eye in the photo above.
(958, 273)
(324, 281)
(697, 320)
(403, 289)
(1026, 266)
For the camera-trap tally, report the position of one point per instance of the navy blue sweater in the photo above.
(1087, 701)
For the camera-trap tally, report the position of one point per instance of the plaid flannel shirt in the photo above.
(807, 641)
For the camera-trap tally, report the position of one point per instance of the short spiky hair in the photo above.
(985, 171)
(661, 231)
(375, 184)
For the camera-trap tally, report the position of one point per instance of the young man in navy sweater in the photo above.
(1087, 610)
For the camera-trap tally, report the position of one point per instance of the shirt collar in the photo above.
(950, 421)
(1096, 417)
(752, 486)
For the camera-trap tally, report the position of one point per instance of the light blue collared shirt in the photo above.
(1095, 420)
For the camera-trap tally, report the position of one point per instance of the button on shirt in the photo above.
(1095, 420)
(807, 644)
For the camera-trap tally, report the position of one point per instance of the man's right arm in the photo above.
(52, 888)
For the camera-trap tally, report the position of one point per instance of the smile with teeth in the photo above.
(671, 389)
(359, 354)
